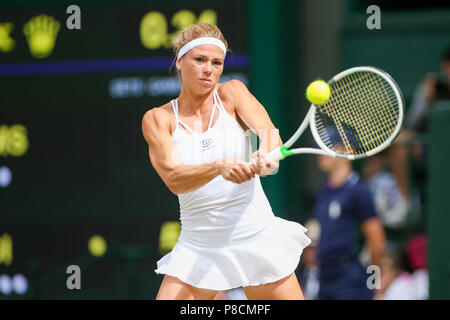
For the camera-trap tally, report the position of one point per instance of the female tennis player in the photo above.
(198, 145)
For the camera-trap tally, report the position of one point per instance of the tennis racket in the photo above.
(362, 117)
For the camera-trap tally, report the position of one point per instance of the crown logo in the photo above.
(41, 32)
(6, 42)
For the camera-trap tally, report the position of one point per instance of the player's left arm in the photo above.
(256, 118)
(373, 231)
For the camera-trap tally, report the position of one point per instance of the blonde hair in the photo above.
(195, 31)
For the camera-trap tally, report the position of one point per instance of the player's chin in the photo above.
(204, 88)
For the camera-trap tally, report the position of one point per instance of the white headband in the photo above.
(201, 41)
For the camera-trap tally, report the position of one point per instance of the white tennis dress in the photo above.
(229, 236)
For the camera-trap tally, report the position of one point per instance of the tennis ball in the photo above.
(318, 92)
(97, 246)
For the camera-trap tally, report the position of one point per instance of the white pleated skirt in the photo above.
(268, 255)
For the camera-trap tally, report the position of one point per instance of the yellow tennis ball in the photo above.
(318, 92)
(97, 246)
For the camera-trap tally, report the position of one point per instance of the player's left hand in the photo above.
(261, 166)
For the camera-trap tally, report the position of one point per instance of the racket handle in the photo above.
(274, 155)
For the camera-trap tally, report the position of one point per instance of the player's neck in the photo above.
(339, 176)
(193, 103)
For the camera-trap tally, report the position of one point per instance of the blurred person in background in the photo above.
(391, 205)
(433, 87)
(396, 281)
(416, 253)
(404, 275)
(308, 269)
(347, 218)
(409, 147)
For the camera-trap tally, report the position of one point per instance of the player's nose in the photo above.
(207, 68)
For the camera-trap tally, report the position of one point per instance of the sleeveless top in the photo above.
(220, 212)
(229, 235)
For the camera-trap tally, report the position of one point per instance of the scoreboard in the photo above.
(76, 183)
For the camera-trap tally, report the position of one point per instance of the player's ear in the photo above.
(178, 64)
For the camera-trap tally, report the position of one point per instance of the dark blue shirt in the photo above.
(340, 212)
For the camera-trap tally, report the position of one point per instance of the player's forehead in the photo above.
(208, 50)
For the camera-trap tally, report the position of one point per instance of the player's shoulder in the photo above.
(159, 118)
(231, 87)
(159, 114)
(232, 92)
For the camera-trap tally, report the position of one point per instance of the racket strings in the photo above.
(378, 85)
(341, 120)
(363, 100)
(388, 117)
(379, 115)
(358, 95)
(361, 114)
(358, 139)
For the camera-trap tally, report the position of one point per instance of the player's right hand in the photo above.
(261, 166)
(235, 170)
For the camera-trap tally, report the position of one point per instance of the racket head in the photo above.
(363, 115)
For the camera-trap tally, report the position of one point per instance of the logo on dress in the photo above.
(334, 209)
(207, 144)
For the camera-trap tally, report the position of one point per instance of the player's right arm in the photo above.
(164, 157)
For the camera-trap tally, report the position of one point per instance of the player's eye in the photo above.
(198, 59)
(217, 63)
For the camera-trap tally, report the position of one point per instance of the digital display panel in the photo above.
(73, 162)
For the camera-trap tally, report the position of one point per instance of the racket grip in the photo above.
(274, 155)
